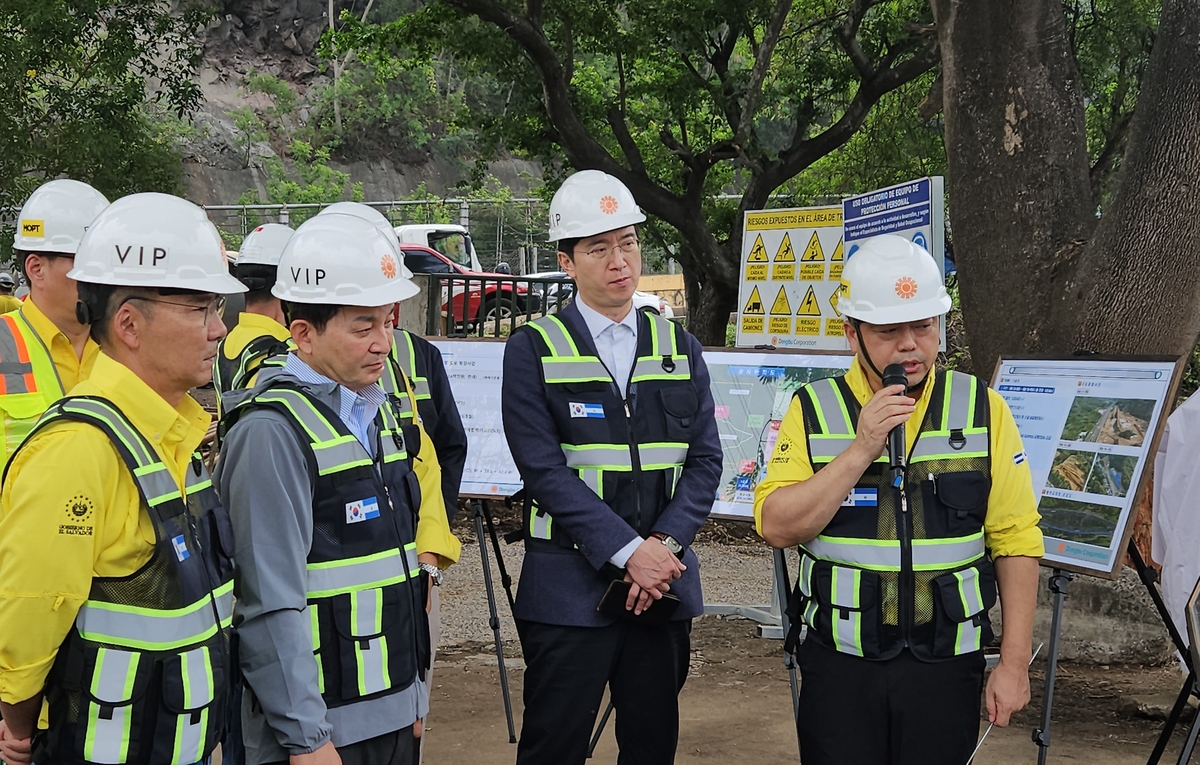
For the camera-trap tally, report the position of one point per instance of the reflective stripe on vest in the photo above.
(397, 391)
(661, 456)
(884, 554)
(567, 365)
(198, 693)
(370, 647)
(29, 381)
(112, 686)
(334, 452)
(847, 619)
(955, 439)
(408, 365)
(16, 367)
(149, 629)
(381, 569)
(969, 637)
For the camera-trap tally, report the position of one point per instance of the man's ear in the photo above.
(565, 263)
(302, 332)
(127, 324)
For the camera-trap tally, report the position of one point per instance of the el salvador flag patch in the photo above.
(180, 546)
(362, 510)
(587, 410)
(1018, 458)
(862, 498)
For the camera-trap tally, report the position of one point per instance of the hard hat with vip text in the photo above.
(341, 260)
(589, 203)
(890, 280)
(156, 241)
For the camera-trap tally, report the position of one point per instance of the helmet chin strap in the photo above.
(862, 348)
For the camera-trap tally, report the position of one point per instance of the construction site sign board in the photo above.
(914, 210)
(1089, 428)
(791, 267)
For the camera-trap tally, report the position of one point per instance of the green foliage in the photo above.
(251, 130)
(73, 98)
(310, 180)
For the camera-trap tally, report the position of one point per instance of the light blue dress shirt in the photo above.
(357, 410)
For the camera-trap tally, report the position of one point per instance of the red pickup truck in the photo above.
(485, 301)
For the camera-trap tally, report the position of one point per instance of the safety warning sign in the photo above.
(835, 263)
(784, 258)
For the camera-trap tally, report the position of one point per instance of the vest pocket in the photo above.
(679, 405)
(848, 612)
(373, 632)
(112, 719)
(963, 497)
(962, 601)
(192, 716)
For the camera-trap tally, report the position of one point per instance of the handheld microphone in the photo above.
(893, 374)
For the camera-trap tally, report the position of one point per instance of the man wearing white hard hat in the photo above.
(609, 418)
(338, 514)
(8, 285)
(44, 335)
(260, 332)
(115, 553)
(902, 554)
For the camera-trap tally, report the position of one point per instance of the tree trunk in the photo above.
(1137, 286)
(708, 315)
(1018, 166)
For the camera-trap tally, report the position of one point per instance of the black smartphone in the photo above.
(612, 605)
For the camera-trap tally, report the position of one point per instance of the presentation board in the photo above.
(752, 392)
(475, 368)
(1090, 426)
(791, 269)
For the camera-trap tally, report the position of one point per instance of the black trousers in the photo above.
(395, 748)
(566, 669)
(897, 712)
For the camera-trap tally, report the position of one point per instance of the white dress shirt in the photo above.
(616, 344)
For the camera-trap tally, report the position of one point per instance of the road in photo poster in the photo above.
(752, 392)
(1087, 427)
(476, 370)
(791, 269)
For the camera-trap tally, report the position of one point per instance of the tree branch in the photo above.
(847, 34)
(633, 155)
(764, 54)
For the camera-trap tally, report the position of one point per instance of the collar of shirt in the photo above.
(175, 432)
(71, 368)
(357, 410)
(598, 322)
(265, 325)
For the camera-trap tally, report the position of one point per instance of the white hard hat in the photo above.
(890, 280)
(341, 260)
(156, 241)
(55, 216)
(591, 202)
(375, 218)
(264, 245)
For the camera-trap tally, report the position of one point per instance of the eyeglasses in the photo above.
(210, 309)
(601, 253)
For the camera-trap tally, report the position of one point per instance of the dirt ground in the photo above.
(736, 707)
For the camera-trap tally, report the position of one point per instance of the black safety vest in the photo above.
(629, 451)
(903, 566)
(366, 606)
(143, 675)
(231, 374)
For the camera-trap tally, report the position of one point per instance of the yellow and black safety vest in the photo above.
(143, 676)
(405, 356)
(365, 603)
(903, 566)
(630, 451)
(29, 381)
(231, 374)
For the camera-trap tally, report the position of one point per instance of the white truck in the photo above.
(451, 240)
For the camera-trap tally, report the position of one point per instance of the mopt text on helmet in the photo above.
(154, 256)
(312, 276)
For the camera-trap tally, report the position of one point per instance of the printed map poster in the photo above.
(791, 267)
(752, 392)
(475, 369)
(1089, 427)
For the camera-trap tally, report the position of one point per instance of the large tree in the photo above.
(1054, 254)
(680, 99)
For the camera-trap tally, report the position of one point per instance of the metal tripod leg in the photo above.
(600, 729)
(493, 616)
(1058, 585)
(782, 590)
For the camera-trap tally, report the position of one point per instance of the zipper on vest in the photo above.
(636, 458)
(907, 593)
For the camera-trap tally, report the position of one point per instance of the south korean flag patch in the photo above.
(362, 510)
(586, 410)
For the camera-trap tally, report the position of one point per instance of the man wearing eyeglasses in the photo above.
(609, 417)
(115, 553)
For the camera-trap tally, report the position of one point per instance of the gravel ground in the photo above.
(731, 574)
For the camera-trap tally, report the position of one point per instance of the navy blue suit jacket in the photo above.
(565, 589)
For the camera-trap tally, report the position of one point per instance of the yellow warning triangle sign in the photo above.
(813, 251)
(809, 305)
(785, 254)
(837, 253)
(754, 304)
(759, 252)
(781, 306)
(833, 299)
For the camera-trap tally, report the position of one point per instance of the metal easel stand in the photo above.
(769, 616)
(781, 589)
(1059, 580)
(1149, 578)
(480, 513)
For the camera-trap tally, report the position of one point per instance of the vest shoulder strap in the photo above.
(334, 447)
(16, 364)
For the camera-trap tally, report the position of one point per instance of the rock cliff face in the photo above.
(279, 37)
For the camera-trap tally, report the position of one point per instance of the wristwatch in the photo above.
(669, 542)
(434, 572)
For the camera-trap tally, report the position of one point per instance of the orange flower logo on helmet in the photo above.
(906, 287)
(387, 264)
(609, 205)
